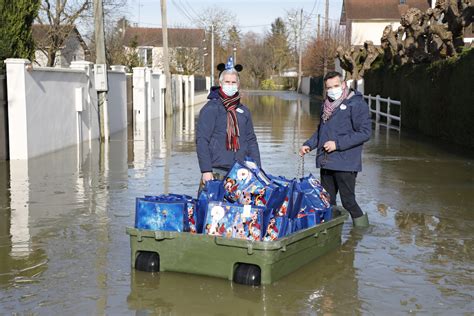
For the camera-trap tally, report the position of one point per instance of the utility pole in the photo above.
(300, 29)
(212, 54)
(166, 61)
(319, 26)
(234, 50)
(326, 38)
(101, 68)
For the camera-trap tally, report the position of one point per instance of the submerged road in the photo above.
(63, 247)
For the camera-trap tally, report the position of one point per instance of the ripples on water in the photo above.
(63, 247)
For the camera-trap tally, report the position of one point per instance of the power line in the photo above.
(312, 10)
(183, 12)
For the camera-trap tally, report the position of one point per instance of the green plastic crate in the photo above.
(219, 257)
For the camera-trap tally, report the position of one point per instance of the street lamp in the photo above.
(212, 55)
(235, 55)
(203, 59)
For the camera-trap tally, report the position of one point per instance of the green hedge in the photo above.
(437, 99)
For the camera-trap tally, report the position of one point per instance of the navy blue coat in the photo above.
(211, 135)
(349, 126)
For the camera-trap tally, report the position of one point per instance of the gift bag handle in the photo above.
(300, 170)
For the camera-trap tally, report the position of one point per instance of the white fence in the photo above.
(384, 111)
(53, 108)
(148, 93)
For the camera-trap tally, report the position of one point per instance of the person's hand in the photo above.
(206, 176)
(329, 146)
(304, 150)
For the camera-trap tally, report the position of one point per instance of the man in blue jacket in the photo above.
(344, 127)
(225, 131)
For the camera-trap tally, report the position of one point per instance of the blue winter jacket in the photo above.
(349, 126)
(212, 132)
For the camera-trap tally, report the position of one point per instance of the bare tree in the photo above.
(226, 32)
(257, 58)
(61, 18)
(313, 56)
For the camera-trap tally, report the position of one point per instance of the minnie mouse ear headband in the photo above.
(230, 65)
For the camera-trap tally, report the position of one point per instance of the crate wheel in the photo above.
(147, 261)
(247, 274)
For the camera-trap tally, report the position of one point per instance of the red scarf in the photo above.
(230, 104)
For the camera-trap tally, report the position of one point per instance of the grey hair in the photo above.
(229, 72)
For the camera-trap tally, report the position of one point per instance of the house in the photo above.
(366, 19)
(73, 48)
(185, 47)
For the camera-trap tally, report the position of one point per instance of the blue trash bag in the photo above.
(234, 221)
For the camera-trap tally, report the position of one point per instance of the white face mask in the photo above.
(229, 89)
(335, 93)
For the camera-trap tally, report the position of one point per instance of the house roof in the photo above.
(378, 9)
(41, 32)
(177, 37)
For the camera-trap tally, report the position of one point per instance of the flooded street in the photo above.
(64, 251)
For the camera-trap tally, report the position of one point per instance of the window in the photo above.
(403, 1)
(146, 56)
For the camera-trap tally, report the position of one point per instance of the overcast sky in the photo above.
(252, 15)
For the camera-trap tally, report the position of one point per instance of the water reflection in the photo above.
(63, 248)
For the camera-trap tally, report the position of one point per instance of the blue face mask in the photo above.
(335, 93)
(230, 89)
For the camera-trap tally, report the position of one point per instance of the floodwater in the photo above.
(64, 251)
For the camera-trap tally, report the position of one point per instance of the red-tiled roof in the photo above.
(40, 34)
(379, 9)
(153, 37)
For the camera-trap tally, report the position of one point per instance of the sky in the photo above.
(252, 15)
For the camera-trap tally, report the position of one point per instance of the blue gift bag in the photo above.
(318, 197)
(234, 221)
(276, 228)
(213, 191)
(190, 208)
(160, 213)
(312, 186)
(280, 180)
(247, 184)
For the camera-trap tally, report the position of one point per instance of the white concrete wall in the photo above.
(305, 85)
(179, 92)
(53, 108)
(154, 95)
(148, 98)
(49, 109)
(191, 90)
(362, 31)
(162, 93)
(117, 99)
(139, 94)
